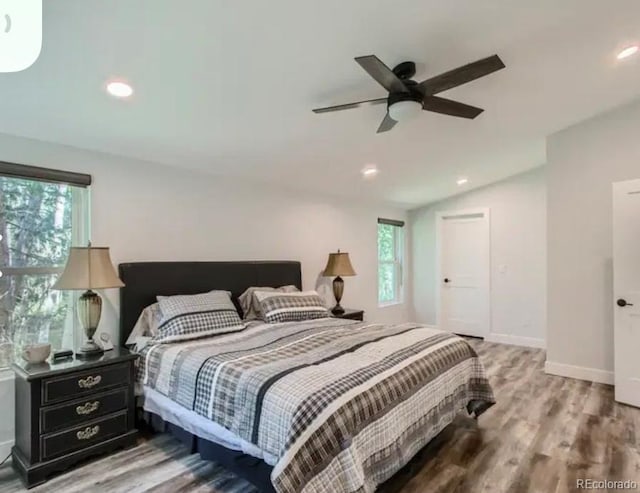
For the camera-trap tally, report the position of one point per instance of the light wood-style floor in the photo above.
(543, 434)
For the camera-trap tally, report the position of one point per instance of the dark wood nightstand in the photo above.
(69, 411)
(350, 314)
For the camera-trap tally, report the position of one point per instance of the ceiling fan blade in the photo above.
(387, 124)
(350, 105)
(381, 73)
(449, 107)
(461, 75)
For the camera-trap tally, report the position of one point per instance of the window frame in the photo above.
(397, 262)
(80, 232)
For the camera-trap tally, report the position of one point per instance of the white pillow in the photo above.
(147, 324)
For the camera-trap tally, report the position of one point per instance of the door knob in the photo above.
(622, 302)
(446, 279)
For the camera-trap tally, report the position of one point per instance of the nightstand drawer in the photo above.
(79, 437)
(73, 386)
(61, 416)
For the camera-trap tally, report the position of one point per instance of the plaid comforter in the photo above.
(343, 405)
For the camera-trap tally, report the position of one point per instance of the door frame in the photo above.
(441, 216)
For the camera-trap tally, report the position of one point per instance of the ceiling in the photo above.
(228, 87)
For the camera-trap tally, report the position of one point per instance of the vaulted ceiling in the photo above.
(228, 86)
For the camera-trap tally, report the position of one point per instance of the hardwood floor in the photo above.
(544, 433)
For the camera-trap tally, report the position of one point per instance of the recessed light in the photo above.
(462, 181)
(119, 89)
(627, 52)
(369, 171)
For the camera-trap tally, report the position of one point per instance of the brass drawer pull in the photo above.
(89, 382)
(88, 432)
(87, 408)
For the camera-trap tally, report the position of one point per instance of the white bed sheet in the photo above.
(168, 410)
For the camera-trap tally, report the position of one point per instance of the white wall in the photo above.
(583, 161)
(518, 243)
(146, 211)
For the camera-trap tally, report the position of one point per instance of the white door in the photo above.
(626, 290)
(463, 273)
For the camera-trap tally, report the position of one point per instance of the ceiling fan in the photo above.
(407, 98)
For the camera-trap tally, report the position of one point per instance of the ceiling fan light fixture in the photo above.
(408, 98)
(402, 111)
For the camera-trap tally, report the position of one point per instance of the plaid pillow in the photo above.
(190, 317)
(291, 307)
(250, 304)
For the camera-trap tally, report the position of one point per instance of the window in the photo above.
(390, 249)
(39, 221)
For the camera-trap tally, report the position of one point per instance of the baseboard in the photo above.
(5, 449)
(579, 372)
(516, 340)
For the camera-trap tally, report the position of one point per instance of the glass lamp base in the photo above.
(89, 349)
(337, 310)
(89, 310)
(338, 291)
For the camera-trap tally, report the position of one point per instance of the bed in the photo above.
(326, 405)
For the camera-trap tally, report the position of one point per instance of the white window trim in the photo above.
(388, 304)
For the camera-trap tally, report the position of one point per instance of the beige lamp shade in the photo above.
(339, 265)
(88, 268)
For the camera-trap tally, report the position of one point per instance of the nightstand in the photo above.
(72, 410)
(350, 314)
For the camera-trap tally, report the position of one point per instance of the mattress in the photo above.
(198, 425)
(336, 406)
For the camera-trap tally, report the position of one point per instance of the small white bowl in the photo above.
(36, 353)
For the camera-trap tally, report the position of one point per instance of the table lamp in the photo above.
(338, 265)
(89, 268)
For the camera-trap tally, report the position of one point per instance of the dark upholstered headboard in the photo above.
(146, 280)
